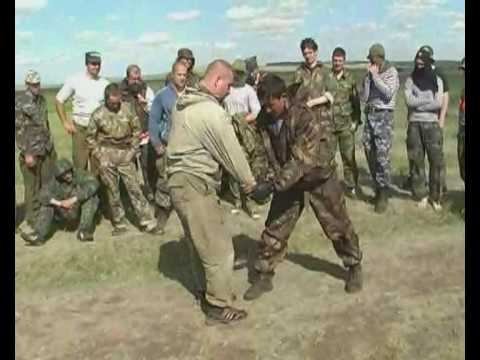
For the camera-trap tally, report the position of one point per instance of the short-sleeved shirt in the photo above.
(242, 99)
(88, 95)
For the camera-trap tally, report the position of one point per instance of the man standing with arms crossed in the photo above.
(380, 87)
(201, 141)
(346, 118)
(87, 90)
(159, 124)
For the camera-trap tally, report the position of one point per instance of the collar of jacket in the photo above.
(344, 74)
(319, 64)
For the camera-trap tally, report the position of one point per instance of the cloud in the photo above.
(183, 15)
(23, 7)
(153, 38)
(278, 18)
(414, 7)
(457, 21)
(24, 36)
(225, 45)
(87, 35)
(24, 60)
(112, 17)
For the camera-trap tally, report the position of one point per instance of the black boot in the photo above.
(354, 282)
(33, 239)
(381, 202)
(84, 236)
(262, 284)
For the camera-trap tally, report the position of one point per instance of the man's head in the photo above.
(93, 62)
(113, 97)
(427, 49)
(423, 59)
(179, 75)
(376, 54)
(338, 59)
(273, 95)
(186, 55)
(63, 170)
(32, 82)
(218, 78)
(309, 51)
(134, 74)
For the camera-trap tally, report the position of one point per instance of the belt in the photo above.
(376, 110)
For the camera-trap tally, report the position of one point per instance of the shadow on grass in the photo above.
(315, 264)
(456, 201)
(174, 263)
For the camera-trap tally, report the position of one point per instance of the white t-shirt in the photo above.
(88, 94)
(242, 99)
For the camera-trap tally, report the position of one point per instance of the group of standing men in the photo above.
(240, 126)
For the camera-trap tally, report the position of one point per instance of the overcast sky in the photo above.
(52, 36)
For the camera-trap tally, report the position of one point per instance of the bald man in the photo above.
(201, 141)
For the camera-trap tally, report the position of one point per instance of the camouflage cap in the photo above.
(185, 53)
(92, 56)
(32, 77)
(61, 167)
(462, 64)
(376, 50)
(239, 65)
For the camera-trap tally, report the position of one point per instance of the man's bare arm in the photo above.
(62, 114)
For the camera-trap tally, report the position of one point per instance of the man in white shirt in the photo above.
(87, 89)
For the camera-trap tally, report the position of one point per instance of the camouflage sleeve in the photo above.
(87, 186)
(259, 160)
(298, 78)
(19, 126)
(304, 152)
(136, 130)
(91, 136)
(355, 100)
(47, 193)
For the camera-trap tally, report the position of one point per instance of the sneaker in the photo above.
(436, 206)
(422, 204)
(149, 226)
(235, 211)
(84, 236)
(351, 193)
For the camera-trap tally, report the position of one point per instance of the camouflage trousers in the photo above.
(209, 242)
(377, 142)
(328, 203)
(110, 174)
(82, 214)
(345, 140)
(162, 193)
(425, 138)
(33, 180)
(461, 150)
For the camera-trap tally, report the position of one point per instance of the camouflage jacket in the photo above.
(108, 129)
(83, 186)
(129, 95)
(32, 130)
(299, 154)
(316, 82)
(346, 105)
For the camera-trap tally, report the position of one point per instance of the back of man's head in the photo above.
(272, 86)
(217, 70)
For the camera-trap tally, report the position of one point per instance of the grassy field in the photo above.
(127, 298)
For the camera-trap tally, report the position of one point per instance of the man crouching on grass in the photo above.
(297, 149)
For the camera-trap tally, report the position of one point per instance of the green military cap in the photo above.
(185, 53)
(93, 56)
(32, 77)
(376, 50)
(462, 64)
(239, 65)
(61, 167)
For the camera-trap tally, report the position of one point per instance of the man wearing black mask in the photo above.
(424, 96)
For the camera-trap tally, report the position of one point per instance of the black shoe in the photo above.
(354, 282)
(119, 229)
(84, 236)
(32, 239)
(381, 202)
(260, 286)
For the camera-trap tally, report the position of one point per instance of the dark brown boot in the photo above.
(262, 284)
(381, 202)
(354, 282)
